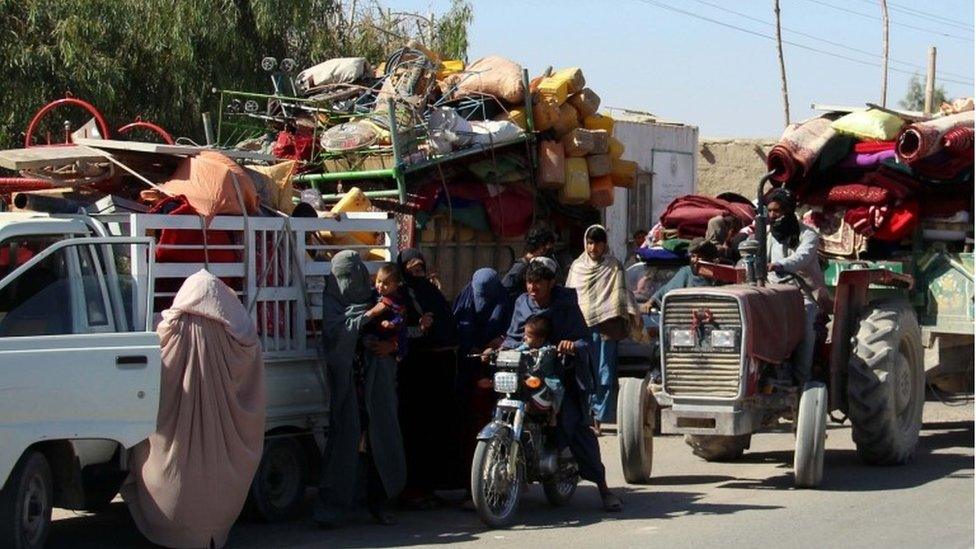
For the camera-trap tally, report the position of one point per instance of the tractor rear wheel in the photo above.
(886, 383)
(718, 447)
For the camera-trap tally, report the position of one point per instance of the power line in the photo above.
(819, 39)
(768, 37)
(906, 25)
(922, 15)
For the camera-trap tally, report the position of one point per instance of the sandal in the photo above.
(611, 503)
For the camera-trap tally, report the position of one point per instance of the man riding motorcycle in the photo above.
(570, 334)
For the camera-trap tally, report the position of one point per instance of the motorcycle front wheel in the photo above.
(495, 486)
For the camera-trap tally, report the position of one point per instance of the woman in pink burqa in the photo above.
(189, 479)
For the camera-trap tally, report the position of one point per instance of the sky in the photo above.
(661, 57)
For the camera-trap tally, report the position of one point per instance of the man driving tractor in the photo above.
(792, 251)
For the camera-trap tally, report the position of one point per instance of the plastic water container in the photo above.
(598, 165)
(552, 165)
(576, 190)
(554, 90)
(601, 192)
(449, 67)
(568, 120)
(578, 142)
(598, 122)
(355, 201)
(573, 76)
(623, 173)
(545, 114)
(616, 148)
(586, 102)
(517, 117)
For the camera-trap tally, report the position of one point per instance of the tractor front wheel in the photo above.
(886, 383)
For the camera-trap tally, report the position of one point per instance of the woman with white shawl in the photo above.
(610, 312)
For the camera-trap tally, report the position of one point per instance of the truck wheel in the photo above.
(635, 414)
(26, 502)
(811, 435)
(278, 488)
(718, 447)
(886, 384)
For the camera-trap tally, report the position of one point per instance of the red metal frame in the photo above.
(142, 124)
(850, 299)
(67, 100)
(726, 274)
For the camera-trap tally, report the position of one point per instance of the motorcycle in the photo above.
(519, 446)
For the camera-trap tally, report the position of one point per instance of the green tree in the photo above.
(160, 59)
(915, 97)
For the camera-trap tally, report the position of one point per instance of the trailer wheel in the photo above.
(25, 503)
(635, 414)
(811, 434)
(278, 488)
(718, 447)
(886, 383)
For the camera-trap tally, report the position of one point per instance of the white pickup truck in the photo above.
(80, 362)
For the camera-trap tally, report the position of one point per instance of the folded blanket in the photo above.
(866, 159)
(943, 166)
(658, 254)
(959, 141)
(899, 223)
(865, 220)
(798, 148)
(923, 139)
(848, 194)
(871, 146)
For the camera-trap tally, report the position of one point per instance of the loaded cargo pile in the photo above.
(460, 153)
(873, 177)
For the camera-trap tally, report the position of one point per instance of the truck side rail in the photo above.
(276, 265)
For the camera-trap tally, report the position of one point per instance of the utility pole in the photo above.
(782, 65)
(930, 81)
(884, 64)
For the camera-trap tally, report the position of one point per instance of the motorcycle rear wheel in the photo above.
(496, 492)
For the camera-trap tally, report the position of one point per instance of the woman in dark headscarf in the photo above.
(426, 384)
(352, 370)
(482, 311)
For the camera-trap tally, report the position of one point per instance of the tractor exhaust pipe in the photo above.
(762, 222)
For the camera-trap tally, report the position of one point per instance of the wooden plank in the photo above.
(42, 157)
(163, 148)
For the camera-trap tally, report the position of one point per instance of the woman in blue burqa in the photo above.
(482, 312)
(364, 445)
(543, 297)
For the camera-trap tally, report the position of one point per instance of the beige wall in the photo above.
(731, 165)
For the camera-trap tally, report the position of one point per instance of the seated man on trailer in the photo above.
(792, 252)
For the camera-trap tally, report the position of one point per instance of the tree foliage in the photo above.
(160, 59)
(915, 97)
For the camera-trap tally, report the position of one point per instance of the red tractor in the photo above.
(725, 363)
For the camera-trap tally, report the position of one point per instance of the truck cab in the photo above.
(79, 367)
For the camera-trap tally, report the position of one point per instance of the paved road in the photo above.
(690, 503)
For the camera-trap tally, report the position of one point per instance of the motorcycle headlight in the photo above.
(506, 382)
(682, 338)
(724, 339)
